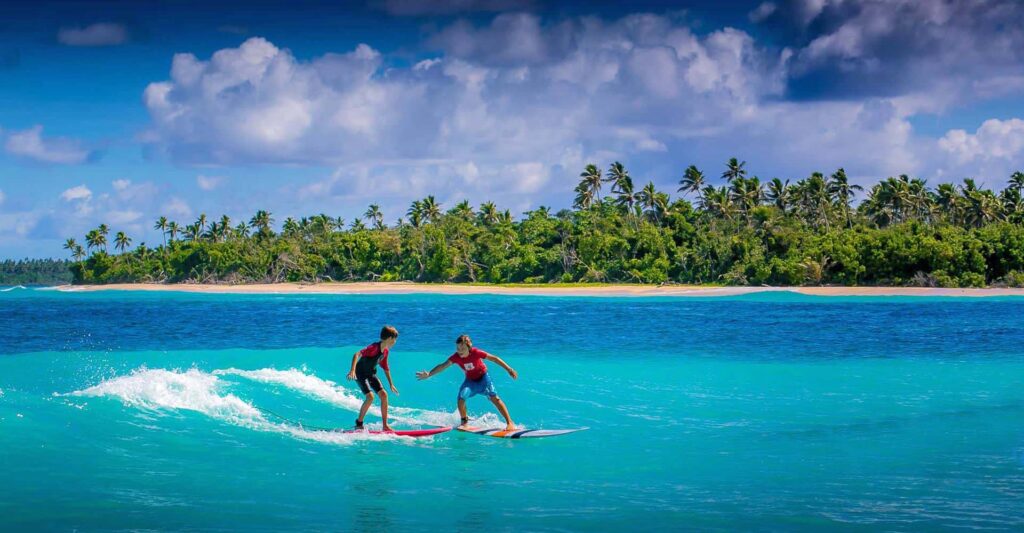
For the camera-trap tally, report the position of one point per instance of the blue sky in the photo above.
(120, 112)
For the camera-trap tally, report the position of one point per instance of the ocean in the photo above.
(767, 412)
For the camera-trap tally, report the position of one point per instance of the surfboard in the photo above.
(518, 433)
(400, 432)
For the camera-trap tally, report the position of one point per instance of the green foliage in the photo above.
(747, 232)
(35, 272)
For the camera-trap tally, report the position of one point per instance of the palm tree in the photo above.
(693, 181)
(374, 215)
(431, 209)
(122, 241)
(103, 230)
(357, 225)
(70, 245)
(161, 224)
(192, 232)
(78, 253)
(622, 187)
(654, 203)
(463, 210)
(488, 213)
(1017, 181)
(290, 228)
(225, 227)
(590, 184)
(778, 194)
(261, 222)
(172, 230)
(842, 192)
(734, 170)
(201, 222)
(242, 230)
(415, 213)
(92, 239)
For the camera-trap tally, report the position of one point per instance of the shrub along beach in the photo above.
(745, 232)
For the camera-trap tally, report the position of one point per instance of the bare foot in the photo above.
(510, 427)
(388, 428)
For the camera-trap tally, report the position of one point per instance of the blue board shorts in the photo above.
(471, 388)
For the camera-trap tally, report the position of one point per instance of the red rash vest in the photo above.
(473, 364)
(370, 354)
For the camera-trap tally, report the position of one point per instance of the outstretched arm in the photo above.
(355, 359)
(502, 364)
(423, 374)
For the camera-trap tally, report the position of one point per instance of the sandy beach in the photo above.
(535, 290)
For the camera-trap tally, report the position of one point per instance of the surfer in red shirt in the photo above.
(478, 381)
(364, 372)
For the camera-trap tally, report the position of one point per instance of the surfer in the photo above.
(364, 371)
(478, 381)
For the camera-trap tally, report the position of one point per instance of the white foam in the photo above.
(193, 390)
(9, 289)
(330, 392)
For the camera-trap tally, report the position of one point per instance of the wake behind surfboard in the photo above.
(501, 433)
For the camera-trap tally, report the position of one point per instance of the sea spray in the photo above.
(194, 390)
(330, 392)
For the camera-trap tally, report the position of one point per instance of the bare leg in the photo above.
(462, 410)
(384, 409)
(366, 405)
(509, 426)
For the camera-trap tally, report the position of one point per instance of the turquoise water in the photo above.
(765, 412)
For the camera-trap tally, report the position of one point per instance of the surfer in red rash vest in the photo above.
(364, 372)
(478, 381)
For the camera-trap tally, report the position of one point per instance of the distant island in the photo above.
(747, 232)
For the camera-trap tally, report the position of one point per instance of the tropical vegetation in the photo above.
(728, 229)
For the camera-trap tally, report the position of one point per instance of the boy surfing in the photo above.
(478, 381)
(364, 371)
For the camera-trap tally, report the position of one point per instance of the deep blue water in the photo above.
(126, 410)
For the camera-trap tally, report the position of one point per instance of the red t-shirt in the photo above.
(473, 364)
(373, 351)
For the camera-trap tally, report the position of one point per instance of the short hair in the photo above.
(464, 339)
(388, 332)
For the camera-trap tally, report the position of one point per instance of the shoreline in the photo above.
(535, 290)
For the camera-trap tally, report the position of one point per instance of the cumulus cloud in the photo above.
(449, 7)
(209, 183)
(31, 144)
(3, 197)
(581, 85)
(990, 154)
(99, 34)
(80, 192)
(850, 48)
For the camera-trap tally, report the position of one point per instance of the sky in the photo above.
(121, 112)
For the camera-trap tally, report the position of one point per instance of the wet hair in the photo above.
(388, 332)
(464, 339)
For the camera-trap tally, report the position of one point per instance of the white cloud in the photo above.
(99, 34)
(31, 144)
(121, 185)
(763, 11)
(3, 197)
(123, 217)
(994, 139)
(176, 207)
(80, 192)
(209, 183)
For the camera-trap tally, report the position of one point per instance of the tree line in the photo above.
(35, 272)
(732, 228)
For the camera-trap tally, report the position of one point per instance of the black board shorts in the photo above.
(369, 382)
